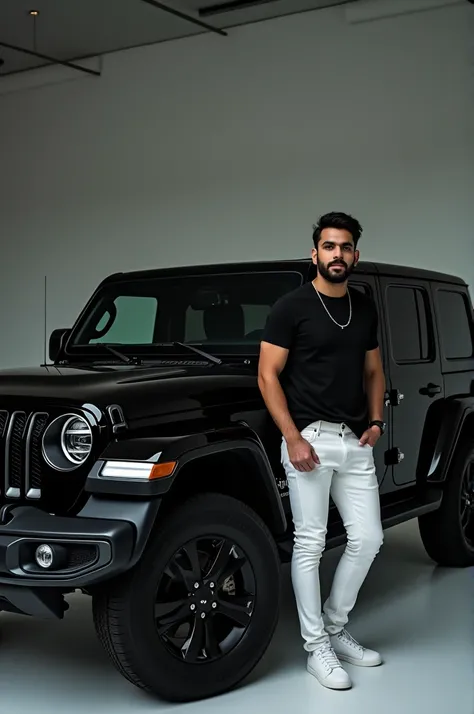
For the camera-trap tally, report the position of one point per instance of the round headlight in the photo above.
(67, 442)
(76, 440)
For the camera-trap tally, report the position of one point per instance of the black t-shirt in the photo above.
(324, 374)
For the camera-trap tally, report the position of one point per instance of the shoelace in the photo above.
(327, 655)
(350, 640)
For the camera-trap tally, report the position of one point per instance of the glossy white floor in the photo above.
(420, 617)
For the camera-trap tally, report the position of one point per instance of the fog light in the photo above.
(44, 556)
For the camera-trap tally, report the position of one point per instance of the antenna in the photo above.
(45, 315)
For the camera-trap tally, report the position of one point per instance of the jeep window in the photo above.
(222, 313)
(455, 324)
(409, 324)
(134, 322)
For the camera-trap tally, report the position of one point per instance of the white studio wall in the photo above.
(217, 149)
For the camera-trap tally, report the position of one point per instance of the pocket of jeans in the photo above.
(308, 435)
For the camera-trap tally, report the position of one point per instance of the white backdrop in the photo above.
(214, 149)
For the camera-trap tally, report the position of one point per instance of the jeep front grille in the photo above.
(20, 453)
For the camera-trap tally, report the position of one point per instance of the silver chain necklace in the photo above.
(350, 309)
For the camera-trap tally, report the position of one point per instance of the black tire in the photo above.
(448, 533)
(124, 612)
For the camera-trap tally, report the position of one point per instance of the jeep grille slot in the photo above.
(20, 435)
(33, 449)
(14, 456)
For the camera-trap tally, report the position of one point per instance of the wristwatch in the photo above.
(381, 425)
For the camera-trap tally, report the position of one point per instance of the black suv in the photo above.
(142, 468)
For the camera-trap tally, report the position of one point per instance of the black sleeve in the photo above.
(279, 326)
(373, 341)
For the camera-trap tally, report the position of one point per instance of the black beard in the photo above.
(334, 277)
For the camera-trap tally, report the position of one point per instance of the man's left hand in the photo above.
(371, 436)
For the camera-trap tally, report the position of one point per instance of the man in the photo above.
(321, 377)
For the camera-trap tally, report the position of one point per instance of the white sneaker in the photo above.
(349, 650)
(325, 666)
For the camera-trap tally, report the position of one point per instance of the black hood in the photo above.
(139, 390)
(46, 380)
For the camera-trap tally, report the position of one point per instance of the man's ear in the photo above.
(314, 256)
(356, 257)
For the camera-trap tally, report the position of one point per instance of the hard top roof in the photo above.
(367, 267)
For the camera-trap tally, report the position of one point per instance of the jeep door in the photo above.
(367, 284)
(414, 367)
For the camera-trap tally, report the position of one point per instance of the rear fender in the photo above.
(450, 426)
(185, 450)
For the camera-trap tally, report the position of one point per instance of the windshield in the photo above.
(222, 314)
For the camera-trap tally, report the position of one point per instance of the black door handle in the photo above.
(430, 390)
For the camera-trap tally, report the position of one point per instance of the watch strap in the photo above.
(380, 424)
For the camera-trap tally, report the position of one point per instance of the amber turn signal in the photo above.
(162, 470)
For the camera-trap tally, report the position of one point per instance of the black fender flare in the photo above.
(184, 449)
(442, 436)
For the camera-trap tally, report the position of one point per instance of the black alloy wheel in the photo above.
(205, 599)
(467, 504)
(195, 616)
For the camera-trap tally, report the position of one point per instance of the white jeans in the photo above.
(347, 473)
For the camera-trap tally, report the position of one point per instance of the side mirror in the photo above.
(56, 342)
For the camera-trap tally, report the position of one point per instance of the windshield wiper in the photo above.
(117, 353)
(206, 355)
(136, 360)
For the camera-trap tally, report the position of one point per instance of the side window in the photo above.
(134, 321)
(455, 325)
(367, 289)
(409, 324)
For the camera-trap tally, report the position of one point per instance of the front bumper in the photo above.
(88, 551)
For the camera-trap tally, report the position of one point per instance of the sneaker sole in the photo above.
(324, 683)
(359, 662)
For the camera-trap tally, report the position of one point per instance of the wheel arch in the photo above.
(448, 428)
(230, 460)
(238, 469)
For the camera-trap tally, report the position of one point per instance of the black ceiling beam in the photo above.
(227, 6)
(231, 6)
(53, 60)
(184, 16)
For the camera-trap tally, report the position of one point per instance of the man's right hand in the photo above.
(302, 455)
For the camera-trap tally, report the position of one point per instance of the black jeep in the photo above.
(142, 468)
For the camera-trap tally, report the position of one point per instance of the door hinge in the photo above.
(393, 456)
(393, 397)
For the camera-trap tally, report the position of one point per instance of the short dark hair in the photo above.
(339, 220)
